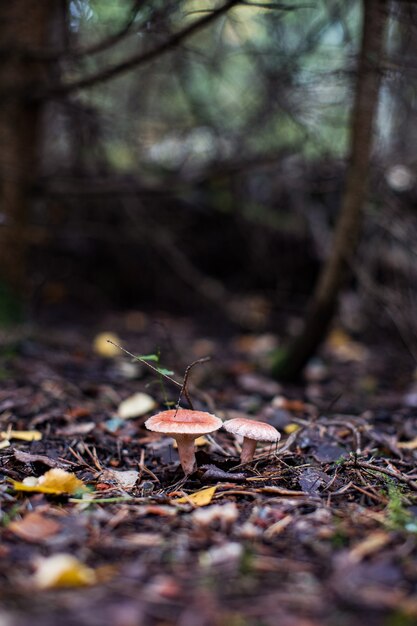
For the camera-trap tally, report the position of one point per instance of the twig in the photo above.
(137, 59)
(375, 468)
(184, 382)
(80, 459)
(155, 369)
(367, 493)
(145, 469)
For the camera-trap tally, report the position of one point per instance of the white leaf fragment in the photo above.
(135, 406)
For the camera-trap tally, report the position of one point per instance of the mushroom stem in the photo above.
(248, 449)
(185, 445)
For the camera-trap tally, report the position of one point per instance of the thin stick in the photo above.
(184, 383)
(375, 468)
(182, 386)
(155, 369)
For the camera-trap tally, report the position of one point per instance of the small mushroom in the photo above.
(184, 425)
(252, 431)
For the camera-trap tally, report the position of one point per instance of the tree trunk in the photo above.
(24, 26)
(348, 228)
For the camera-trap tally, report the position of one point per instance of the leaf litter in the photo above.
(319, 530)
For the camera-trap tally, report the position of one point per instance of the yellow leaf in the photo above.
(291, 428)
(137, 405)
(23, 435)
(63, 570)
(408, 445)
(199, 442)
(4, 444)
(55, 481)
(102, 347)
(199, 498)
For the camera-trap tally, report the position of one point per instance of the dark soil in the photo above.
(320, 531)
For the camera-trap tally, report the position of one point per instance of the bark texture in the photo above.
(347, 234)
(24, 26)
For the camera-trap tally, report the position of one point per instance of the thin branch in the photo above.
(155, 369)
(184, 382)
(278, 6)
(140, 58)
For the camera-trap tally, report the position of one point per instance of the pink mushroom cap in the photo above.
(252, 429)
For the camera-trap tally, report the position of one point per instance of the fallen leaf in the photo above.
(34, 527)
(199, 498)
(63, 570)
(23, 435)
(55, 481)
(77, 412)
(329, 452)
(291, 428)
(199, 442)
(125, 479)
(143, 540)
(311, 480)
(76, 429)
(296, 406)
(4, 444)
(225, 514)
(137, 405)
(408, 445)
(102, 347)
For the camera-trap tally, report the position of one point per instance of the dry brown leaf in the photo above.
(34, 527)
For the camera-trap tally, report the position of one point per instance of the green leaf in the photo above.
(147, 357)
(165, 372)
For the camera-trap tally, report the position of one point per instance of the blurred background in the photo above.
(190, 157)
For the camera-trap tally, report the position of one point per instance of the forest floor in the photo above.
(318, 531)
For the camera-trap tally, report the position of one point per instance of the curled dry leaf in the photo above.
(63, 570)
(55, 481)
